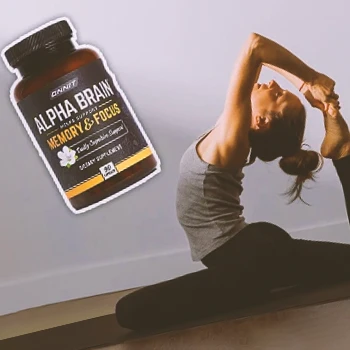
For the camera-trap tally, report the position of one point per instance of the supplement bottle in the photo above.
(78, 117)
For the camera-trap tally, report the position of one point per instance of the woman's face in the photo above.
(270, 98)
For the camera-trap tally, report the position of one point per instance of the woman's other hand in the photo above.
(320, 92)
(313, 102)
(331, 109)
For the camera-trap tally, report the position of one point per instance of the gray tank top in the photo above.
(208, 203)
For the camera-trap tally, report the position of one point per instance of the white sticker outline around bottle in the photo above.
(34, 141)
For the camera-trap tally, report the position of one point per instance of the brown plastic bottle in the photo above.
(46, 59)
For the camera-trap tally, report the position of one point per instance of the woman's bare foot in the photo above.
(336, 143)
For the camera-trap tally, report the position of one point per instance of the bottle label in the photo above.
(85, 128)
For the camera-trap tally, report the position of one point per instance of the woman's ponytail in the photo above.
(304, 165)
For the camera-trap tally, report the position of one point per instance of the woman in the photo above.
(267, 122)
(246, 261)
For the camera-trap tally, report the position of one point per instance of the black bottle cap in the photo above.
(37, 41)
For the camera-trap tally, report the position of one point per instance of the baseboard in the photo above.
(122, 275)
(334, 232)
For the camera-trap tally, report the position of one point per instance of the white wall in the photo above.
(173, 59)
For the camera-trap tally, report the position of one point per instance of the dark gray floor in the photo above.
(104, 331)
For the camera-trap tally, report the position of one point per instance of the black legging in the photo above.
(241, 272)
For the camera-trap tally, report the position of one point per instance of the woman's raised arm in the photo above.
(228, 144)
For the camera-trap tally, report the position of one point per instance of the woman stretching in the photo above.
(245, 261)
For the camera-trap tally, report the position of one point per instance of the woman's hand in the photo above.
(313, 102)
(322, 88)
(320, 92)
(331, 109)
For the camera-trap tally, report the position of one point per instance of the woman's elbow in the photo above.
(255, 39)
(255, 42)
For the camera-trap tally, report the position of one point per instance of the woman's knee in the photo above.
(269, 232)
(268, 227)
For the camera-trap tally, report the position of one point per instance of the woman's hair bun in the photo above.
(304, 165)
